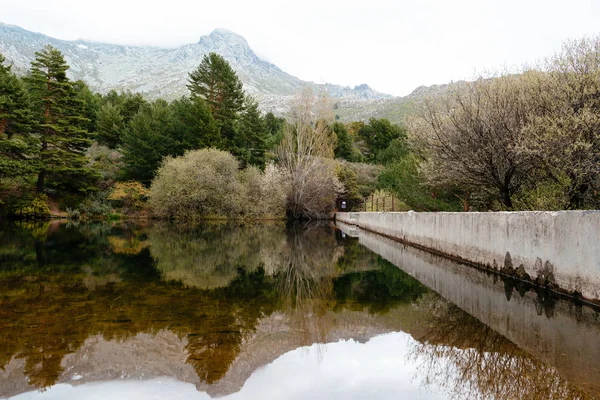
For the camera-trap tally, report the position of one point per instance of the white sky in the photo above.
(392, 45)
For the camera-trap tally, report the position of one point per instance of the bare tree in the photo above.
(472, 137)
(306, 156)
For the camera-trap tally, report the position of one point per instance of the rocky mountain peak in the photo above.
(226, 34)
(363, 87)
(227, 43)
(162, 72)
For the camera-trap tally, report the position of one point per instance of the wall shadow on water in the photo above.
(211, 285)
(491, 337)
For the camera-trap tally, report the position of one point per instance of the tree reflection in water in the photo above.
(210, 256)
(212, 285)
(304, 280)
(470, 360)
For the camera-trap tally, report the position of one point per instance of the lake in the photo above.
(270, 311)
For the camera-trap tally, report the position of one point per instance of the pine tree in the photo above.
(109, 125)
(193, 126)
(147, 140)
(17, 147)
(275, 127)
(14, 112)
(216, 82)
(61, 124)
(378, 134)
(128, 103)
(253, 136)
(91, 103)
(161, 129)
(344, 147)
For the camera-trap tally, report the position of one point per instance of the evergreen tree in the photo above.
(75, 174)
(128, 103)
(160, 129)
(378, 134)
(14, 111)
(61, 124)
(109, 125)
(396, 151)
(253, 136)
(17, 146)
(275, 126)
(91, 103)
(344, 147)
(193, 126)
(216, 82)
(147, 140)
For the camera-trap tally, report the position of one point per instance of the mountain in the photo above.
(162, 72)
(163, 353)
(396, 109)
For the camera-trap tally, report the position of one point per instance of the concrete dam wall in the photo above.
(559, 249)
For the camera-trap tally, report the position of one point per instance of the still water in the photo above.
(269, 311)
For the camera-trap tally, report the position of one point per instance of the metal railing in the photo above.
(386, 203)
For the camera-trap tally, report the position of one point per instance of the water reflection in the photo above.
(339, 371)
(211, 286)
(487, 365)
(211, 304)
(209, 256)
(531, 344)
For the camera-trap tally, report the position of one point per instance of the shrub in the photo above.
(359, 180)
(107, 162)
(274, 190)
(404, 180)
(130, 196)
(208, 184)
(544, 195)
(73, 214)
(347, 176)
(366, 175)
(314, 189)
(264, 194)
(96, 205)
(36, 208)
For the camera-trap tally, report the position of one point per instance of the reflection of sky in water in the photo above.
(379, 369)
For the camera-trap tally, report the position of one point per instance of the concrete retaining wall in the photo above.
(561, 248)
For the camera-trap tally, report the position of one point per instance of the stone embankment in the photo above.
(560, 250)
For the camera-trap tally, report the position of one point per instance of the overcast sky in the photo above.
(386, 367)
(392, 45)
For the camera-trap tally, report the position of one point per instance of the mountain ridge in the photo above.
(161, 71)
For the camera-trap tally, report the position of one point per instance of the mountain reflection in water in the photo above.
(209, 305)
